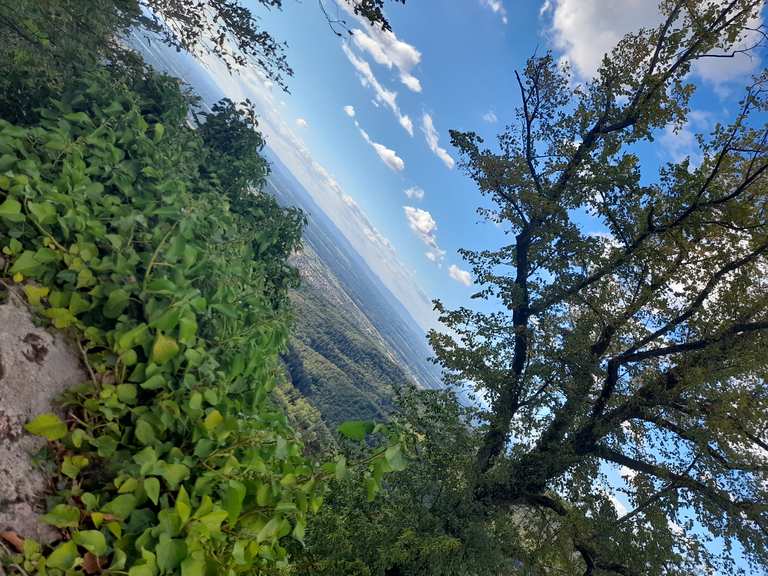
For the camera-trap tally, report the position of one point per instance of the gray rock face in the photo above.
(35, 368)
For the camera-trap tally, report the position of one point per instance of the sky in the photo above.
(365, 126)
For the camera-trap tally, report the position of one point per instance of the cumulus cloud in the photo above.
(414, 192)
(497, 7)
(425, 227)
(387, 155)
(490, 117)
(384, 96)
(302, 123)
(349, 111)
(430, 134)
(386, 49)
(461, 276)
(585, 30)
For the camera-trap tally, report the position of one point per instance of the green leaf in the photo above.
(105, 445)
(44, 212)
(170, 553)
(92, 540)
(10, 210)
(213, 420)
(36, 293)
(164, 349)
(144, 432)
(269, 530)
(116, 303)
(372, 488)
(356, 429)
(121, 506)
(233, 500)
(152, 488)
(78, 304)
(183, 506)
(159, 131)
(47, 425)
(61, 317)
(147, 459)
(173, 474)
(195, 400)
(63, 516)
(63, 557)
(72, 465)
(126, 393)
(341, 468)
(300, 528)
(193, 567)
(155, 382)
(187, 330)
(143, 570)
(395, 459)
(25, 264)
(213, 520)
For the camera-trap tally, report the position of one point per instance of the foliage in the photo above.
(172, 458)
(425, 521)
(46, 42)
(50, 41)
(645, 349)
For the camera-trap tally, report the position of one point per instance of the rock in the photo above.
(36, 366)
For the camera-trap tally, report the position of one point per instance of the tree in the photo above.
(644, 348)
(52, 41)
(231, 31)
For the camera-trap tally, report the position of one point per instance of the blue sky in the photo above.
(368, 117)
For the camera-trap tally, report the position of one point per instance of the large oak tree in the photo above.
(643, 347)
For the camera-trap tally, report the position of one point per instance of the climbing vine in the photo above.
(172, 457)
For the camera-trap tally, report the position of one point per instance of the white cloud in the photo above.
(721, 71)
(627, 473)
(424, 225)
(497, 7)
(386, 49)
(302, 123)
(430, 134)
(585, 30)
(679, 143)
(387, 155)
(349, 111)
(414, 192)
(384, 96)
(490, 117)
(461, 276)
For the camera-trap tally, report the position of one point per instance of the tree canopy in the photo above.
(643, 347)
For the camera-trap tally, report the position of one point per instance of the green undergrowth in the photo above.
(139, 236)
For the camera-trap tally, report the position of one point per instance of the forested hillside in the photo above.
(335, 357)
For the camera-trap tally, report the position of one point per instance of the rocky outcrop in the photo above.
(36, 366)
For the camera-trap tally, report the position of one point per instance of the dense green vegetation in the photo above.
(147, 241)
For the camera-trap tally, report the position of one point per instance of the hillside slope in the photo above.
(336, 357)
